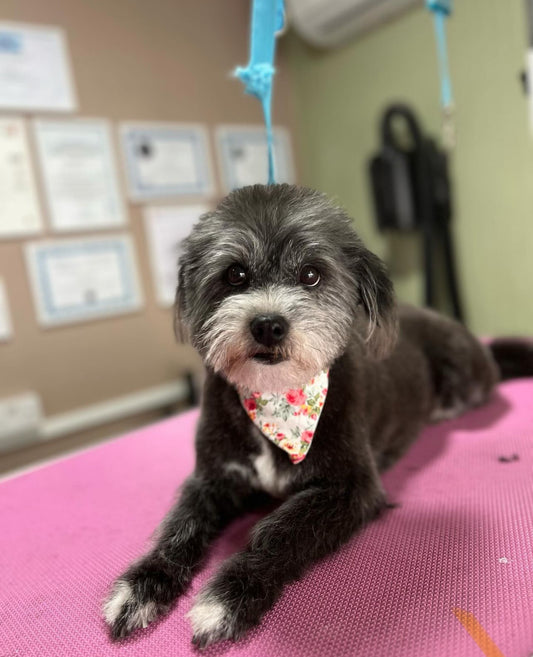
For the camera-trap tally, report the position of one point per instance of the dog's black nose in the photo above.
(269, 330)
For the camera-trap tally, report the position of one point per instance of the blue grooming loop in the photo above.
(268, 18)
(441, 10)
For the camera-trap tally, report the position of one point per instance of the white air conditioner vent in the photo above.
(331, 23)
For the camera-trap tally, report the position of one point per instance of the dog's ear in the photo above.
(180, 302)
(188, 263)
(376, 295)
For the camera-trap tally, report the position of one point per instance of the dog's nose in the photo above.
(269, 330)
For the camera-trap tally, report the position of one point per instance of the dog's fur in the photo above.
(384, 386)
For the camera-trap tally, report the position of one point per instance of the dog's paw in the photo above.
(124, 612)
(144, 593)
(212, 620)
(228, 607)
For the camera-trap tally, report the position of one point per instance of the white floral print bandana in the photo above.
(288, 419)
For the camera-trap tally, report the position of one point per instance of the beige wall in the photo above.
(153, 60)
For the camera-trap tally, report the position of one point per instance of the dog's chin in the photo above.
(267, 358)
(268, 374)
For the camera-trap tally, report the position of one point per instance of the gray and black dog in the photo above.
(274, 287)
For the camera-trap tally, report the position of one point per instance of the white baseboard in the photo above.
(119, 408)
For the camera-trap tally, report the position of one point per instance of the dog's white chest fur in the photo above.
(262, 472)
(267, 476)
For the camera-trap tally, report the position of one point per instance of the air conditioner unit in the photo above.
(332, 23)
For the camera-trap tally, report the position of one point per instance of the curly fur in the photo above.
(385, 385)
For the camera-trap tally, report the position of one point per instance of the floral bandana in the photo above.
(288, 419)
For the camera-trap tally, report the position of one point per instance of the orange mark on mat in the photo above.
(476, 631)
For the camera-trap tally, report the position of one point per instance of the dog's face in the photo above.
(274, 282)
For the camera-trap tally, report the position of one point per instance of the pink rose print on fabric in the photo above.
(307, 436)
(295, 397)
(250, 404)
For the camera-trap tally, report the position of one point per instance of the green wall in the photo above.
(339, 97)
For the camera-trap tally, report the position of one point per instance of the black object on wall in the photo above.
(412, 192)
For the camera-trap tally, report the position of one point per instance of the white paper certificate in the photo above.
(77, 280)
(19, 206)
(79, 173)
(166, 227)
(243, 155)
(34, 69)
(166, 160)
(5, 318)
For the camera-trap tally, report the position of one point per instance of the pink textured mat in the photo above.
(447, 573)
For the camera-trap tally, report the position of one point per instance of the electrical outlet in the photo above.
(20, 420)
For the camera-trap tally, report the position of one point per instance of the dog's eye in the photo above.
(309, 276)
(236, 275)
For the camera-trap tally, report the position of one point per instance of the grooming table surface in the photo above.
(446, 573)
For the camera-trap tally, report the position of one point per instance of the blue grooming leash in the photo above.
(268, 17)
(441, 10)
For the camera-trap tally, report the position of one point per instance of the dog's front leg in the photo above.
(308, 526)
(149, 587)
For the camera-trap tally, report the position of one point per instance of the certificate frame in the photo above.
(6, 325)
(229, 137)
(33, 198)
(11, 34)
(104, 127)
(196, 135)
(50, 314)
(158, 212)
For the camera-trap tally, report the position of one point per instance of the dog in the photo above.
(279, 296)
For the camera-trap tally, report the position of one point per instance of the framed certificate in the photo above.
(243, 155)
(166, 227)
(80, 280)
(20, 214)
(35, 72)
(166, 160)
(5, 317)
(79, 174)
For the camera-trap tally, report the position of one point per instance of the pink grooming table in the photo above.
(446, 574)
